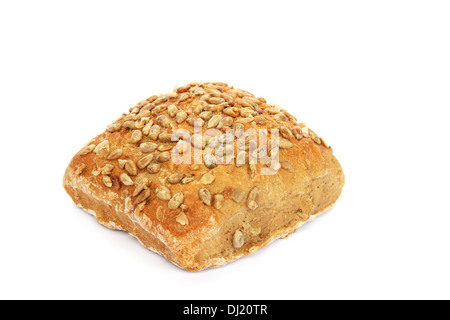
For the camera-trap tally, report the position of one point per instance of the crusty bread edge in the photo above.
(215, 262)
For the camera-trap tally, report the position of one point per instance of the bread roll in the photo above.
(205, 174)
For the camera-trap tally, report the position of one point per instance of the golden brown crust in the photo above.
(203, 215)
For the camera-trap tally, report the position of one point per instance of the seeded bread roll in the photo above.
(204, 215)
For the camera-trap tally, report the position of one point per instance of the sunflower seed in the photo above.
(207, 178)
(87, 149)
(181, 146)
(136, 136)
(205, 196)
(163, 121)
(139, 208)
(244, 103)
(182, 219)
(102, 149)
(172, 110)
(238, 239)
(148, 147)
(280, 117)
(226, 122)
(183, 97)
(154, 132)
(253, 198)
(122, 163)
(205, 97)
(129, 125)
(216, 100)
(180, 116)
(80, 169)
(145, 161)
(107, 169)
(165, 137)
(126, 180)
(154, 168)
(305, 132)
(188, 179)
(206, 115)
(147, 127)
(113, 127)
(115, 154)
(183, 88)
(246, 112)
(214, 121)
(315, 138)
(285, 144)
(227, 97)
(232, 112)
(160, 100)
(215, 93)
(131, 168)
(141, 183)
(142, 196)
(163, 157)
(107, 181)
(209, 161)
(141, 123)
(286, 133)
(163, 193)
(176, 201)
(198, 142)
(244, 120)
(175, 178)
(213, 142)
(218, 201)
(287, 166)
(195, 122)
(297, 131)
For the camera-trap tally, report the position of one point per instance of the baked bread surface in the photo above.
(203, 215)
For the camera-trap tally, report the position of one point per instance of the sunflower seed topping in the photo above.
(131, 167)
(145, 161)
(148, 147)
(208, 178)
(136, 136)
(218, 201)
(126, 180)
(163, 157)
(238, 239)
(253, 198)
(102, 149)
(172, 110)
(163, 193)
(176, 177)
(182, 219)
(176, 201)
(205, 196)
(115, 154)
(87, 149)
(107, 181)
(214, 121)
(154, 132)
(181, 116)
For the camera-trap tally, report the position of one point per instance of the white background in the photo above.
(371, 77)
